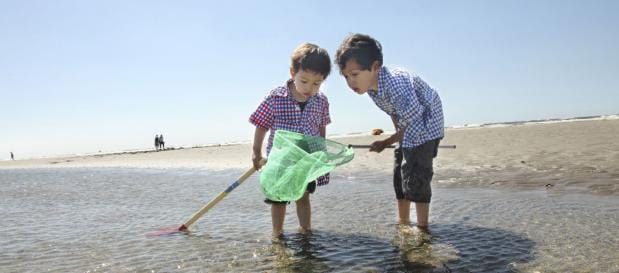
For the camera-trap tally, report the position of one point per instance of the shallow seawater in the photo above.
(95, 220)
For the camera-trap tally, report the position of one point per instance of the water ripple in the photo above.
(95, 220)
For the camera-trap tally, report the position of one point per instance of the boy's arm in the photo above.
(323, 131)
(257, 147)
(410, 109)
(399, 133)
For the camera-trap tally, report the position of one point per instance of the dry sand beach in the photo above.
(574, 156)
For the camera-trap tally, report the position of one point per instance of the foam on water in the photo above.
(528, 122)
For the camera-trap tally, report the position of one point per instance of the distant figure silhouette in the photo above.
(157, 142)
(161, 142)
(12, 157)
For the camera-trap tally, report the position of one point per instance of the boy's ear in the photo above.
(375, 65)
(292, 72)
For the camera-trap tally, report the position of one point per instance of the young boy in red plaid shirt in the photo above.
(295, 106)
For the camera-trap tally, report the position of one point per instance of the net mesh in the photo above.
(295, 160)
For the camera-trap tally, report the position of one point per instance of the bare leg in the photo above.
(278, 213)
(423, 210)
(304, 213)
(404, 208)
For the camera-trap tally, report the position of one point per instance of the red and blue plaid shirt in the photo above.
(280, 111)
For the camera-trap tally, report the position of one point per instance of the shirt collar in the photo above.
(286, 92)
(383, 75)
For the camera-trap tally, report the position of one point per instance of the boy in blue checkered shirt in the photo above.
(417, 114)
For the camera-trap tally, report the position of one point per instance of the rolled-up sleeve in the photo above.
(263, 117)
(326, 117)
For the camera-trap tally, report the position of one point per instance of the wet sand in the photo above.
(576, 156)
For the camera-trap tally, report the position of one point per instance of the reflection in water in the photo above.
(444, 248)
(299, 253)
(416, 249)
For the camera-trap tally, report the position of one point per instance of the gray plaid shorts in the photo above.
(413, 171)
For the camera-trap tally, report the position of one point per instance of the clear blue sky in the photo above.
(83, 76)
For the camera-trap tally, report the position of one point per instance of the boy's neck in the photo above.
(374, 88)
(376, 76)
(295, 95)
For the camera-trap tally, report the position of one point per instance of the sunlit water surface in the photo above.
(95, 220)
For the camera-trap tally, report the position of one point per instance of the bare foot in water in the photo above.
(304, 231)
(277, 236)
(413, 230)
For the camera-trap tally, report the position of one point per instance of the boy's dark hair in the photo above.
(360, 47)
(311, 57)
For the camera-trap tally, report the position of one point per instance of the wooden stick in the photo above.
(219, 197)
(360, 146)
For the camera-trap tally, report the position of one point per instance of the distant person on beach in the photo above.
(157, 142)
(161, 142)
(12, 156)
(295, 106)
(417, 115)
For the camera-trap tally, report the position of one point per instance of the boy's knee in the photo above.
(278, 206)
(304, 201)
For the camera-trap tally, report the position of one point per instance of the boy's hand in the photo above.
(256, 159)
(378, 146)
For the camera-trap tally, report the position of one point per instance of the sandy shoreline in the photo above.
(578, 156)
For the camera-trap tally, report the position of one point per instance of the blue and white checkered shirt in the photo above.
(415, 106)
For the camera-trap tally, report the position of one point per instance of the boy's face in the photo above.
(306, 82)
(358, 79)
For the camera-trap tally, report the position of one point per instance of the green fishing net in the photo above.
(296, 160)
